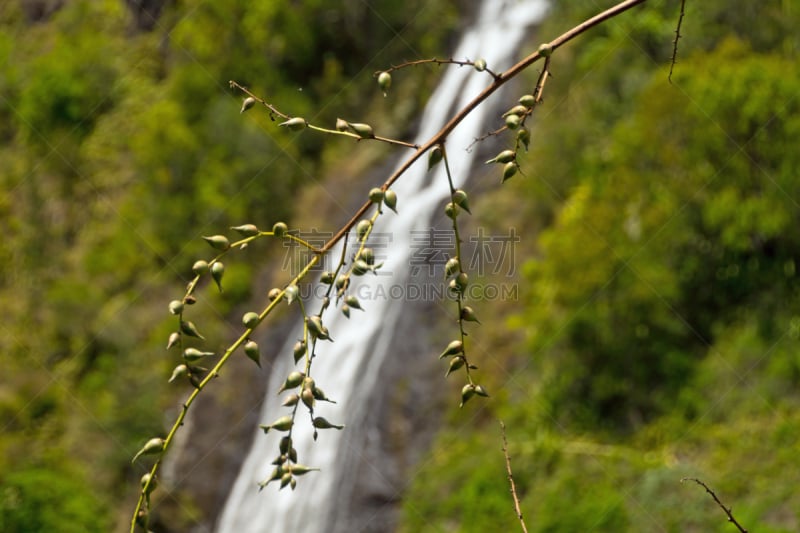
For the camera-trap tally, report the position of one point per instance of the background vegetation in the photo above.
(657, 333)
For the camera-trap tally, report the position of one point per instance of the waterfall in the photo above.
(347, 368)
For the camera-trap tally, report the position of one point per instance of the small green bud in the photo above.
(291, 400)
(294, 379)
(461, 200)
(250, 319)
(174, 337)
(319, 395)
(217, 271)
(246, 230)
(321, 423)
(294, 124)
(151, 447)
(218, 242)
(455, 364)
(342, 282)
(279, 229)
(284, 423)
(286, 479)
(462, 280)
(200, 267)
(480, 65)
(176, 307)
(466, 393)
(527, 100)
(316, 329)
(468, 315)
(451, 267)
(299, 350)
(454, 348)
(513, 121)
(384, 82)
(190, 329)
(346, 310)
(524, 136)
(362, 130)
(299, 470)
(435, 156)
(353, 302)
(251, 351)
(545, 50)
(326, 277)
(342, 125)
(360, 267)
(179, 371)
(273, 294)
(480, 391)
(148, 483)
(509, 170)
(362, 228)
(503, 157)
(290, 293)
(190, 355)
(368, 255)
(375, 195)
(308, 398)
(390, 199)
(247, 104)
(451, 210)
(285, 444)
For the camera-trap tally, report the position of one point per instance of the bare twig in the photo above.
(728, 510)
(511, 479)
(675, 42)
(436, 61)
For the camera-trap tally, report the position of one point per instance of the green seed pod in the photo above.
(455, 364)
(250, 319)
(319, 395)
(293, 483)
(148, 483)
(509, 170)
(353, 302)
(279, 229)
(173, 340)
(251, 350)
(468, 315)
(315, 326)
(291, 400)
(326, 277)
(179, 371)
(451, 210)
(524, 136)
(284, 423)
(290, 293)
(362, 130)
(390, 199)
(247, 104)
(360, 267)
(273, 294)
(189, 300)
(545, 50)
(527, 100)
(190, 329)
(321, 423)
(342, 282)
(246, 230)
(367, 255)
(503, 157)
(285, 444)
(286, 479)
(218, 242)
(451, 267)
(151, 447)
(513, 121)
(308, 398)
(346, 310)
(461, 200)
(200, 267)
(454, 348)
(466, 393)
(480, 65)
(176, 307)
(520, 110)
(362, 228)
(299, 350)
(342, 125)
(480, 391)
(435, 156)
(462, 280)
(294, 379)
(375, 195)
(384, 82)
(309, 383)
(217, 271)
(294, 124)
(299, 470)
(190, 355)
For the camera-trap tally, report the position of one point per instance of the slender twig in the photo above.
(436, 61)
(511, 479)
(728, 510)
(674, 58)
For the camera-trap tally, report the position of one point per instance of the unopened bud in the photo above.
(279, 229)
(384, 82)
(513, 121)
(362, 130)
(435, 156)
(218, 242)
(461, 200)
(251, 351)
(390, 199)
(509, 170)
(451, 210)
(217, 271)
(247, 104)
(294, 124)
(375, 195)
(342, 125)
(250, 319)
(246, 230)
(362, 228)
(545, 50)
(480, 65)
(200, 267)
(176, 307)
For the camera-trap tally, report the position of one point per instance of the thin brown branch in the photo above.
(502, 78)
(728, 510)
(511, 479)
(674, 58)
(436, 61)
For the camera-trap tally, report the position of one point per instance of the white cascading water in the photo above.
(346, 369)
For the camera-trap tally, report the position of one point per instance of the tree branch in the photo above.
(728, 510)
